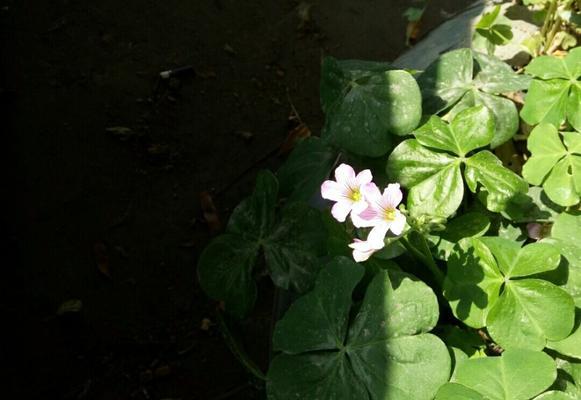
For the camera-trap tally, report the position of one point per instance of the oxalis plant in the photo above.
(420, 261)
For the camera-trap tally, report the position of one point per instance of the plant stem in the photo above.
(427, 260)
(237, 350)
(548, 26)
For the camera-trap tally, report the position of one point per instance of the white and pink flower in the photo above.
(369, 208)
(345, 191)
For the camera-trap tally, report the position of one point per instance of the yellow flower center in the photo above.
(356, 195)
(389, 215)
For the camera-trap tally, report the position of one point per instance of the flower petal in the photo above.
(398, 223)
(332, 190)
(341, 209)
(364, 177)
(391, 196)
(371, 193)
(377, 234)
(359, 206)
(361, 250)
(344, 174)
(365, 219)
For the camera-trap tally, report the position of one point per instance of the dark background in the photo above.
(113, 218)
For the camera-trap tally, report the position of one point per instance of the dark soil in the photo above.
(112, 217)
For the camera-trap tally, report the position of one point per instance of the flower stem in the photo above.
(424, 258)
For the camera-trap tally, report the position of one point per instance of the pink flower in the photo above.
(345, 191)
(363, 249)
(381, 215)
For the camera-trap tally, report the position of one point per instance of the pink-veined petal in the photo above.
(364, 177)
(398, 223)
(391, 196)
(364, 219)
(362, 250)
(341, 209)
(332, 190)
(344, 174)
(371, 193)
(377, 234)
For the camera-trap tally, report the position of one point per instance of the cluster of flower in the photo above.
(358, 196)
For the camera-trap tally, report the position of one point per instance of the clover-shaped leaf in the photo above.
(385, 352)
(430, 165)
(291, 247)
(517, 374)
(554, 164)
(464, 78)
(555, 94)
(366, 102)
(500, 293)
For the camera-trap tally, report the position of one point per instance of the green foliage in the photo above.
(504, 256)
(308, 165)
(462, 78)
(326, 355)
(516, 375)
(291, 248)
(365, 103)
(491, 30)
(491, 283)
(554, 95)
(430, 165)
(555, 165)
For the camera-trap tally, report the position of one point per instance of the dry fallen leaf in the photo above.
(210, 212)
(206, 324)
(299, 131)
(102, 258)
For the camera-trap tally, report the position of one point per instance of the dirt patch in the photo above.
(105, 166)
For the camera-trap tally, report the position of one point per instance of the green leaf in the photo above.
(410, 163)
(516, 375)
(555, 95)
(455, 391)
(531, 207)
(473, 282)
(446, 80)
(564, 236)
(434, 178)
(293, 247)
(488, 18)
(556, 166)
(500, 184)
(547, 149)
(472, 224)
(253, 218)
(546, 101)
(554, 395)
(318, 320)
(439, 195)
(470, 129)
(364, 106)
(385, 354)
(503, 110)
(494, 76)
(529, 312)
(548, 67)
(571, 345)
(308, 165)
(568, 377)
(574, 107)
(225, 273)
